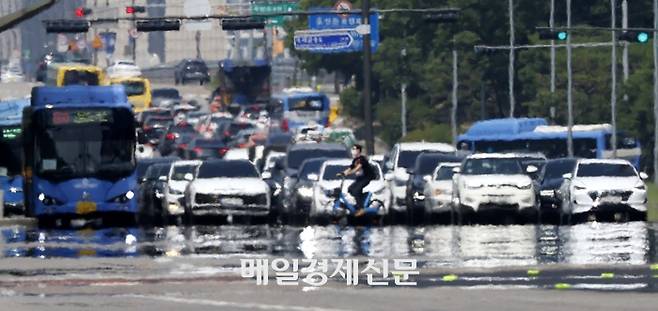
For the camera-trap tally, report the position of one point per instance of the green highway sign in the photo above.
(273, 8)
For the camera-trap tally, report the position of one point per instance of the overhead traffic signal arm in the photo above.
(547, 34)
(634, 36)
(158, 25)
(66, 26)
(243, 23)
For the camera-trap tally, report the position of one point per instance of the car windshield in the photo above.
(158, 122)
(555, 169)
(407, 158)
(73, 143)
(166, 93)
(134, 88)
(227, 169)
(605, 170)
(155, 171)
(296, 157)
(492, 166)
(331, 172)
(445, 173)
(181, 170)
(310, 167)
(425, 165)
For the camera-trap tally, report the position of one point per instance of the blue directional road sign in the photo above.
(324, 41)
(345, 23)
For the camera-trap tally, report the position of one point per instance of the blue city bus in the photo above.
(295, 108)
(79, 151)
(11, 180)
(535, 135)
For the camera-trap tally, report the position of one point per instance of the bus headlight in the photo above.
(46, 200)
(124, 198)
(15, 190)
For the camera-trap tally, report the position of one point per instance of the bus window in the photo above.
(80, 77)
(306, 104)
(134, 88)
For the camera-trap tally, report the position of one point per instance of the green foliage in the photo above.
(427, 68)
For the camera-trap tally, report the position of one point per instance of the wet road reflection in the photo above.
(452, 246)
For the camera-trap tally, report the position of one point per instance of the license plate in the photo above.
(612, 200)
(231, 201)
(87, 253)
(85, 208)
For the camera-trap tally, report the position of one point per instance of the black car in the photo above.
(202, 149)
(165, 97)
(302, 197)
(297, 154)
(174, 136)
(424, 166)
(191, 70)
(154, 128)
(550, 181)
(151, 190)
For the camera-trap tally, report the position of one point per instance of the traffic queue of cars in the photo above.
(233, 166)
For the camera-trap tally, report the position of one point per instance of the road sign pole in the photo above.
(134, 40)
(367, 55)
(655, 92)
(512, 103)
(613, 74)
(569, 87)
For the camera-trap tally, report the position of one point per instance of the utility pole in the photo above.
(551, 23)
(655, 91)
(134, 40)
(624, 24)
(569, 87)
(455, 85)
(613, 74)
(403, 93)
(367, 55)
(511, 58)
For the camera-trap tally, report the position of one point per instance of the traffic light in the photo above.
(242, 23)
(442, 17)
(158, 25)
(66, 26)
(135, 9)
(634, 36)
(546, 34)
(82, 11)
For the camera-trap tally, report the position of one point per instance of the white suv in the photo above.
(494, 183)
(604, 188)
(402, 157)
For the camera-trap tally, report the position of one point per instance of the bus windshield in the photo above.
(10, 144)
(80, 77)
(76, 143)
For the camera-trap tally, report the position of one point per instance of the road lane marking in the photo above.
(220, 303)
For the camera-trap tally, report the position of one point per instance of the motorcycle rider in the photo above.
(364, 175)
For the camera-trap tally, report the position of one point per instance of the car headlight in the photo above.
(175, 191)
(641, 187)
(123, 198)
(15, 190)
(524, 186)
(305, 192)
(576, 187)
